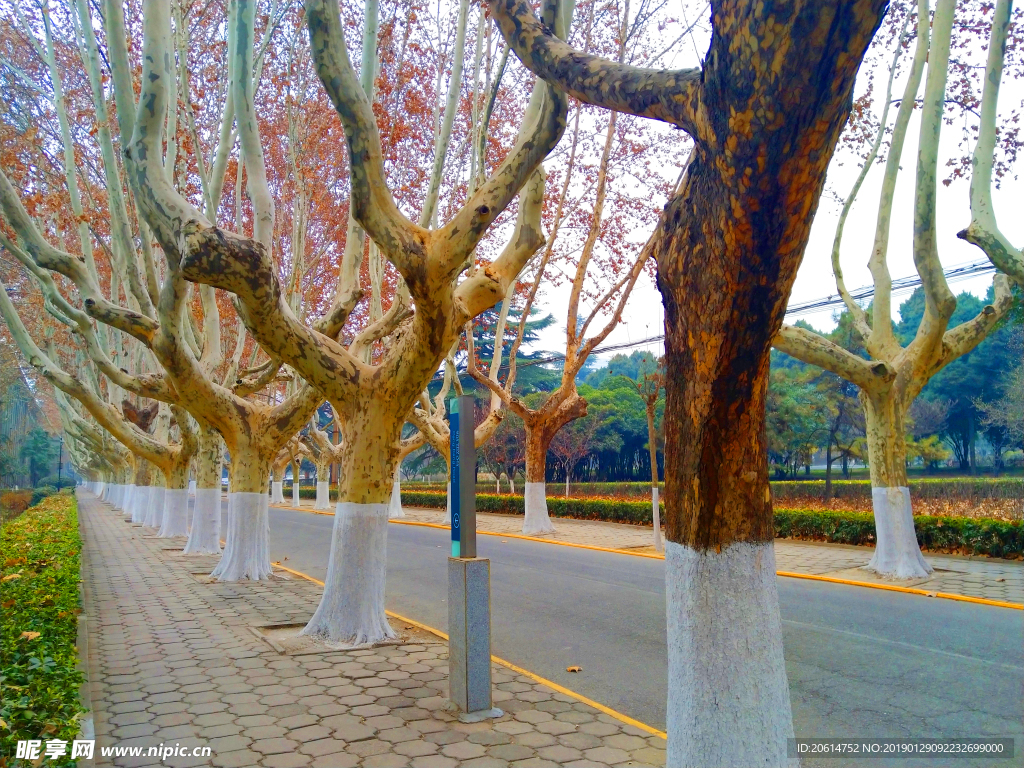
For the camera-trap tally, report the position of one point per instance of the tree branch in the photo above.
(811, 348)
(672, 96)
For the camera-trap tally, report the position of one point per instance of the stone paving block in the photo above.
(608, 755)
(369, 747)
(337, 760)
(390, 760)
(433, 761)
(243, 758)
(286, 760)
(275, 746)
(535, 739)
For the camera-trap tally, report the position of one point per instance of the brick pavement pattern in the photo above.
(173, 661)
(989, 578)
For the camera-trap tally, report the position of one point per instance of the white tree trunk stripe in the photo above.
(728, 696)
(351, 610)
(897, 554)
(204, 538)
(155, 506)
(535, 504)
(247, 548)
(175, 514)
(323, 494)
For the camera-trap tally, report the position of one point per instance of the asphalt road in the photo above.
(862, 663)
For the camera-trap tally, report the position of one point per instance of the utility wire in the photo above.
(900, 285)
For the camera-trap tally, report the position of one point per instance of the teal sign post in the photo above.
(463, 458)
(469, 580)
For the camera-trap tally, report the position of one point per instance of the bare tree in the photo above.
(894, 374)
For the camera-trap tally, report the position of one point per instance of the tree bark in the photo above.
(204, 537)
(535, 504)
(652, 448)
(897, 553)
(351, 609)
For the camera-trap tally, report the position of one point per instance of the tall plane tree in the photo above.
(765, 112)
(893, 375)
(370, 398)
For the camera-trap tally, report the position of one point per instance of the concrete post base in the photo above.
(469, 638)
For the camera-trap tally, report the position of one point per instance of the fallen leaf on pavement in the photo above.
(574, 669)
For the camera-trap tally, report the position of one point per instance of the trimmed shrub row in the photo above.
(976, 536)
(39, 554)
(954, 489)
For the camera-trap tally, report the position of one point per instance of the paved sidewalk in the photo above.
(983, 577)
(174, 660)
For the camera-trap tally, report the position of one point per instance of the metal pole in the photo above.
(60, 460)
(469, 580)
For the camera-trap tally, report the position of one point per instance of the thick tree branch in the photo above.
(72, 267)
(984, 230)
(811, 348)
(372, 204)
(672, 96)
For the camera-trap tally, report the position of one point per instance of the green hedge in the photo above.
(965, 488)
(39, 554)
(979, 536)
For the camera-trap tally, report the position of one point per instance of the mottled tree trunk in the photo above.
(351, 610)
(728, 249)
(247, 547)
(174, 516)
(535, 504)
(652, 448)
(204, 537)
(897, 554)
(296, 484)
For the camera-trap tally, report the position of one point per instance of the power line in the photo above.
(900, 285)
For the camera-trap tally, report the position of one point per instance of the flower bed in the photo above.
(39, 554)
(977, 536)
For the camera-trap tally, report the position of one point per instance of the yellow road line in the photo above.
(655, 556)
(509, 665)
(909, 590)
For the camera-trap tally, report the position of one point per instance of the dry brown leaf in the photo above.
(11, 577)
(30, 635)
(574, 669)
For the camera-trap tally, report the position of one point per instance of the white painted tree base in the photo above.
(728, 695)
(897, 554)
(276, 492)
(100, 487)
(247, 548)
(659, 544)
(175, 516)
(296, 495)
(140, 502)
(323, 495)
(395, 511)
(155, 506)
(191, 487)
(204, 538)
(535, 504)
(351, 610)
(129, 499)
